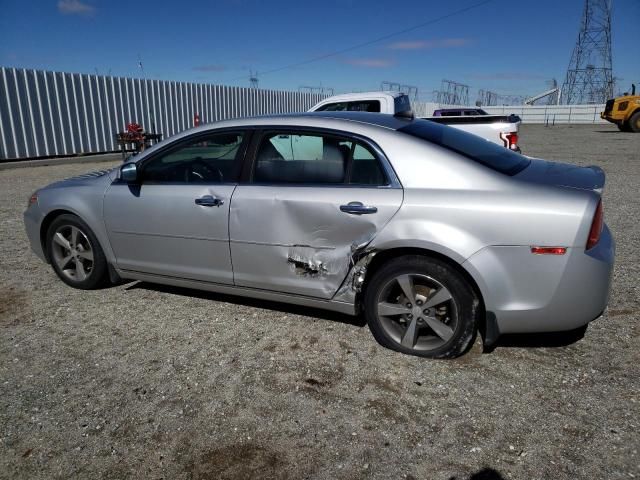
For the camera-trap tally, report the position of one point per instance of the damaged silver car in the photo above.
(430, 232)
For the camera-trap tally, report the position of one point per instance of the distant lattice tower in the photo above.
(589, 76)
(253, 79)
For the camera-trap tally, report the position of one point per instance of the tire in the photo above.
(634, 122)
(75, 253)
(623, 127)
(446, 329)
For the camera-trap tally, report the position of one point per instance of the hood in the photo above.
(86, 179)
(563, 175)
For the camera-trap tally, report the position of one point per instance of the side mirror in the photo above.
(129, 172)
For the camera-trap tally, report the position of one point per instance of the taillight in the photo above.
(596, 227)
(510, 140)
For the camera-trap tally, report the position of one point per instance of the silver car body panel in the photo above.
(293, 244)
(165, 233)
(304, 244)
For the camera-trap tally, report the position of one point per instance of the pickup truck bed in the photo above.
(499, 129)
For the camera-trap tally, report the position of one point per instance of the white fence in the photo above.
(552, 113)
(530, 113)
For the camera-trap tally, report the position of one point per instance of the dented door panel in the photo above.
(296, 239)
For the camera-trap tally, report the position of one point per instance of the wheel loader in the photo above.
(624, 111)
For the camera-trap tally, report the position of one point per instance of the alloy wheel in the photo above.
(417, 312)
(72, 253)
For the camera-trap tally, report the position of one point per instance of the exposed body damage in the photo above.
(359, 260)
(308, 261)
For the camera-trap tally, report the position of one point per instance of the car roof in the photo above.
(335, 120)
(384, 120)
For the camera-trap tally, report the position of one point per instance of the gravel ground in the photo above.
(153, 382)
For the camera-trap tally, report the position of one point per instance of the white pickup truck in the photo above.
(500, 129)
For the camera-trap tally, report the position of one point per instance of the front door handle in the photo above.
(209, 201)
(357, 208)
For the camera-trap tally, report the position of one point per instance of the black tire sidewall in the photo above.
(98, 275)
(634, 123)
(463, 296)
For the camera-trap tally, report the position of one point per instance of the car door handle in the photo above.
(357, 208)
(209, 201)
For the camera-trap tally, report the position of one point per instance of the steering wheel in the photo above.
(199, 171)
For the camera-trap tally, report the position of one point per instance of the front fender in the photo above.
(85, 201)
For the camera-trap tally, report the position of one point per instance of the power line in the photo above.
(371, 42)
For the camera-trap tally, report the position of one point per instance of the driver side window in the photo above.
(211, 158)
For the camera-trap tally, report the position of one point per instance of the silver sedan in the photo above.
(431, 233)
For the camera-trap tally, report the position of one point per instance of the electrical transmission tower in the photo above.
(486, 98)
(452, 93)
(253, 79)
(589, 76)
(410, 90)
(319, 89)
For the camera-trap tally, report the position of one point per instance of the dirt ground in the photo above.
(141, 381)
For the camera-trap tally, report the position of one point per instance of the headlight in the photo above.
(33, 199)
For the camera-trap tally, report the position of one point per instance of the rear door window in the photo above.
(308, 158)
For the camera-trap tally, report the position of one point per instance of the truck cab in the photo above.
(374, 102)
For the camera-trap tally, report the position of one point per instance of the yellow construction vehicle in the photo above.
(624, 111)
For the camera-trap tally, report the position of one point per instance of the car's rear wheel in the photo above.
(421, 306)
(75, 254)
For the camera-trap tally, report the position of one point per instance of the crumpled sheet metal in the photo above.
(295, 242)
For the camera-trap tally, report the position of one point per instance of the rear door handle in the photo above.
(357, 208)
(209, 201)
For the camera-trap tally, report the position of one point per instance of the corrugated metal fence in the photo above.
(46, 113)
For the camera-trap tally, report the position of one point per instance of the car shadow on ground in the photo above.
(524, 340)
(539, 340)
(358, 321)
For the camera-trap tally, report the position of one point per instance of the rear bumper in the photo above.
(544, 293)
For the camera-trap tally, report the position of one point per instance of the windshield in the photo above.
(471, 146)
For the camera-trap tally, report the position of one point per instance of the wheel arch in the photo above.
(487, 324)
(46, 223)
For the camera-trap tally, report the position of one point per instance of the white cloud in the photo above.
(369, 62)
(429, 44)
(75, 7)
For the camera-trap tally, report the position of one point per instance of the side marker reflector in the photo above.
(548, 250)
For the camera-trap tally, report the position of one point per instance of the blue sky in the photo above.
(508, 46)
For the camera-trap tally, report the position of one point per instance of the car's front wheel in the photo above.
(421, 306)
(75, 254)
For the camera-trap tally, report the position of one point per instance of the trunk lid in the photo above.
(563, 175)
